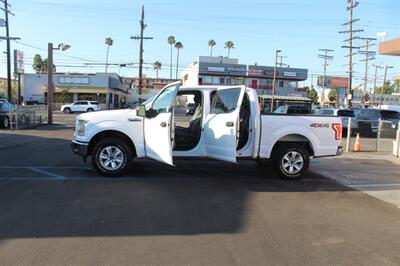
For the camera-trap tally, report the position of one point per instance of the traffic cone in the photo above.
(357, 144)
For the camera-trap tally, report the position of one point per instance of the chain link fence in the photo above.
(374, 135)
(26, 116)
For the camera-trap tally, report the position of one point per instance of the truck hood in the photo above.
(101, 116)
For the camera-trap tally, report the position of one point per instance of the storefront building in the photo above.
(74, 87)
(227, 71)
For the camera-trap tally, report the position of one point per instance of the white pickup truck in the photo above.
(227, 125)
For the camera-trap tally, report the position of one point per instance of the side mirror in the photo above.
(141, 111)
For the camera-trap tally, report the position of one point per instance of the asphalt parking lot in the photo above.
(55, 210)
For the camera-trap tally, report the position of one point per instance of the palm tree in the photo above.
(109, 42)
(178, 46)
(157, 67)
(229, 45)
(211, 43)
(171, 41)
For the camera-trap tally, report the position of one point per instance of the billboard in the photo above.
(333, 82)
(18, 62)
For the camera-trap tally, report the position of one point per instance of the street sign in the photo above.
(18, 62)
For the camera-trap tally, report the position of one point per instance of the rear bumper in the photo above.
(80, 148)
(340, 150)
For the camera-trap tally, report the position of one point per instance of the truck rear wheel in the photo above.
(111, 157)
(291, 161)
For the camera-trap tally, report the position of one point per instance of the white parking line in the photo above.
(374, 185)
(46, 173)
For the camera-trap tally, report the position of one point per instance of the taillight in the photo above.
(338, 131)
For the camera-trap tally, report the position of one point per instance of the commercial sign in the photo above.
(332, 82)
(256, 70)
(289, 74)
(18, 62)
(216, 69)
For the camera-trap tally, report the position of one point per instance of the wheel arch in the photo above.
(111, 133)
(294, 138)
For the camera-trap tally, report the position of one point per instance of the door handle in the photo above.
(230, 124)
(163, 124)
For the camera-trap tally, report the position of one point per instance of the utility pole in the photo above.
(274, 80)
(376, 75)
(280, 60)
(326, 57)
(141, 38)
(383, 85)
(350, 6)
(7, 24)
(367, 54)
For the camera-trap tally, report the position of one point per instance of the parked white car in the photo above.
(227, 125)
(80, 106)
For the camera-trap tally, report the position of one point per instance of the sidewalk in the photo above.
(374, 173)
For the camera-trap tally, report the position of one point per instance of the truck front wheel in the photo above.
(111, 157)
(291, 161)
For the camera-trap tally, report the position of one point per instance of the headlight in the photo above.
(80, 127)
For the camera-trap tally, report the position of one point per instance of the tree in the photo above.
(313, 95)
(229, 45)
(157, 67)
(64, 97)
(396, 86)
(171, 41)
(178, 46)
(211, 44)
(109, 42)
(332, 95)
(387, 88)
(37, 63)
(44, 66)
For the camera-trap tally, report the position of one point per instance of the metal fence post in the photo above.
(397, 146)
(348, 135)
(378, 135)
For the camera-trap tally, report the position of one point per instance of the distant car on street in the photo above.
(293, 109)
(344, 115)
(5, 108)
(81, 106)
(368, 120)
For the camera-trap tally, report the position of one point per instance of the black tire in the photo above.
(6, 122)
(101, 146)
(67, 110)
(89, 110)
(290, 150)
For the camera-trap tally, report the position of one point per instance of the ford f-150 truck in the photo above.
(227, 125)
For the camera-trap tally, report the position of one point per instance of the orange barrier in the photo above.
(357, 144)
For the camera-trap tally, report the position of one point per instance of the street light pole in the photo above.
(50, 84)
(383, 85)
(274, 80)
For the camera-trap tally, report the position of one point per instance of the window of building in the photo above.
(208, 80)
(281, 83)
(221, 80)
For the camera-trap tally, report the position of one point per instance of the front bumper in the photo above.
(80, 148)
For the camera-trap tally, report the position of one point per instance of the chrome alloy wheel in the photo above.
(111, 158)
(292, 162)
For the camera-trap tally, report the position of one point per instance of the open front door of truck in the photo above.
(158, 125)
(221, 127)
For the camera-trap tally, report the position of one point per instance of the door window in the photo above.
(165, 101)
(224, 101)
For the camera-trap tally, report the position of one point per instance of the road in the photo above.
(55, 210)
